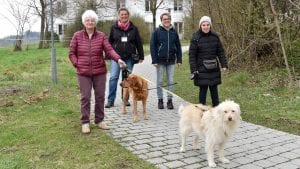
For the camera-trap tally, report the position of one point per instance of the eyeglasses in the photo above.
(166, 19)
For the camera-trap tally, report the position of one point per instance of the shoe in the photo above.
(85, 128)
(109, 104)
(103, 126)
(160, 104)
(127, 103)
(170, 104)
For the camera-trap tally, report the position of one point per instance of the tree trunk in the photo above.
(18, 44)
(281, 43)
(43, 20)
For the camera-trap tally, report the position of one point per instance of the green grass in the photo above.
(263, 97)
(47, 134)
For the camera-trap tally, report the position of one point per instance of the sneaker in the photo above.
(170, 104)
(103, 126)
(160, 104)
(127, 103)
(109, 104)
(85, 128)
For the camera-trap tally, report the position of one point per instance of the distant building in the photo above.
(177, 9)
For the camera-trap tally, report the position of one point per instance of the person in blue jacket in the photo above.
(165, 51)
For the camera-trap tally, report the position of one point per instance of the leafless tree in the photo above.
(20, 17)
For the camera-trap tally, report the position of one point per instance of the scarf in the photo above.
(123, 26)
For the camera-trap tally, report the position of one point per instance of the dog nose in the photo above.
(230, 118)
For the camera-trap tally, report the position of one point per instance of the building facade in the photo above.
(107, 10)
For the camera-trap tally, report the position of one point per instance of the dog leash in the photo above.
(163, 86)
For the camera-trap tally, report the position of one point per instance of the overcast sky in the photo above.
(7, 28)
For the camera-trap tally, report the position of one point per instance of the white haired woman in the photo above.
(86, 55)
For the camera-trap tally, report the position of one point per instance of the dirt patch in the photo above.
(37, 98)
(10, 91)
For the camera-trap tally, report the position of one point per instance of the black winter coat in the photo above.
(206, 46)
(132, 46)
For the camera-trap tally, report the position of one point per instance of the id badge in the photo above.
(124, 39)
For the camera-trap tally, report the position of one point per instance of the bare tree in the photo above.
(281, 41)
(20, 17)
(41, 9)
(154, 6)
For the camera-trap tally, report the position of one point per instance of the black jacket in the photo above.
(132, 46)
(206, 46)
(165, 46)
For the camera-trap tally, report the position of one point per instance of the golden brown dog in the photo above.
(138, 88)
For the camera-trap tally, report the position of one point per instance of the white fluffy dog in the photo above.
(217, 124)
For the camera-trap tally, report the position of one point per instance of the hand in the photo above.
(121, 63)
(141, 61)
(224, 68)
(178, 65)
(195, 72)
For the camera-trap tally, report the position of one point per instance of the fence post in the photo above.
(53, 51)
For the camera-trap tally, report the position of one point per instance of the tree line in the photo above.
(253, 32)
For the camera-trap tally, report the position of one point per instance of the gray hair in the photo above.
(89, 13)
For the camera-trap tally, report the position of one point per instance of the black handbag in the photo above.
(135, 58)
(210, 64)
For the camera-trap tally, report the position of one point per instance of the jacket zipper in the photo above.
(168, 45)
(90, 57)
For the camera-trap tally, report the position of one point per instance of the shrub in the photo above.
(144, 29)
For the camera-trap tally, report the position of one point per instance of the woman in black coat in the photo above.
(205, 56)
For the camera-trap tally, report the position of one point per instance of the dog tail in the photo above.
(180, 109)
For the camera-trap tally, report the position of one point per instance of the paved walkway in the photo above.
(157, 141)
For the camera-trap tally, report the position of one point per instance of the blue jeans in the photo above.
(170, 78)
(114, 77)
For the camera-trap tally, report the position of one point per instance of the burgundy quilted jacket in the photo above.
(86, 54)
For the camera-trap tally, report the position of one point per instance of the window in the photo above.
(178, 5)
(120, 4)
(178, 27)
(147, 5)
(60, 29)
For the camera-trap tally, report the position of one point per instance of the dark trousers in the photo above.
(213, 94)
(86, 83)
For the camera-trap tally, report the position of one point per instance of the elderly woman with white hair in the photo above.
(86, 54)
(205, 56)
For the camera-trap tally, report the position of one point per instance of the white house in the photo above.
(177, 8)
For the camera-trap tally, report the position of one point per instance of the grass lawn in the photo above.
(43, 130)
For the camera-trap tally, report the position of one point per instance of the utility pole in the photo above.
(53, 51)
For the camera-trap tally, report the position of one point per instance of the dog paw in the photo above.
(212, 164)
(182, 149)
(224, 160)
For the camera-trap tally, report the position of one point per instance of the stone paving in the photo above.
(157, 140)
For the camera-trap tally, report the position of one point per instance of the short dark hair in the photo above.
(123, 9)
(167, 14)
